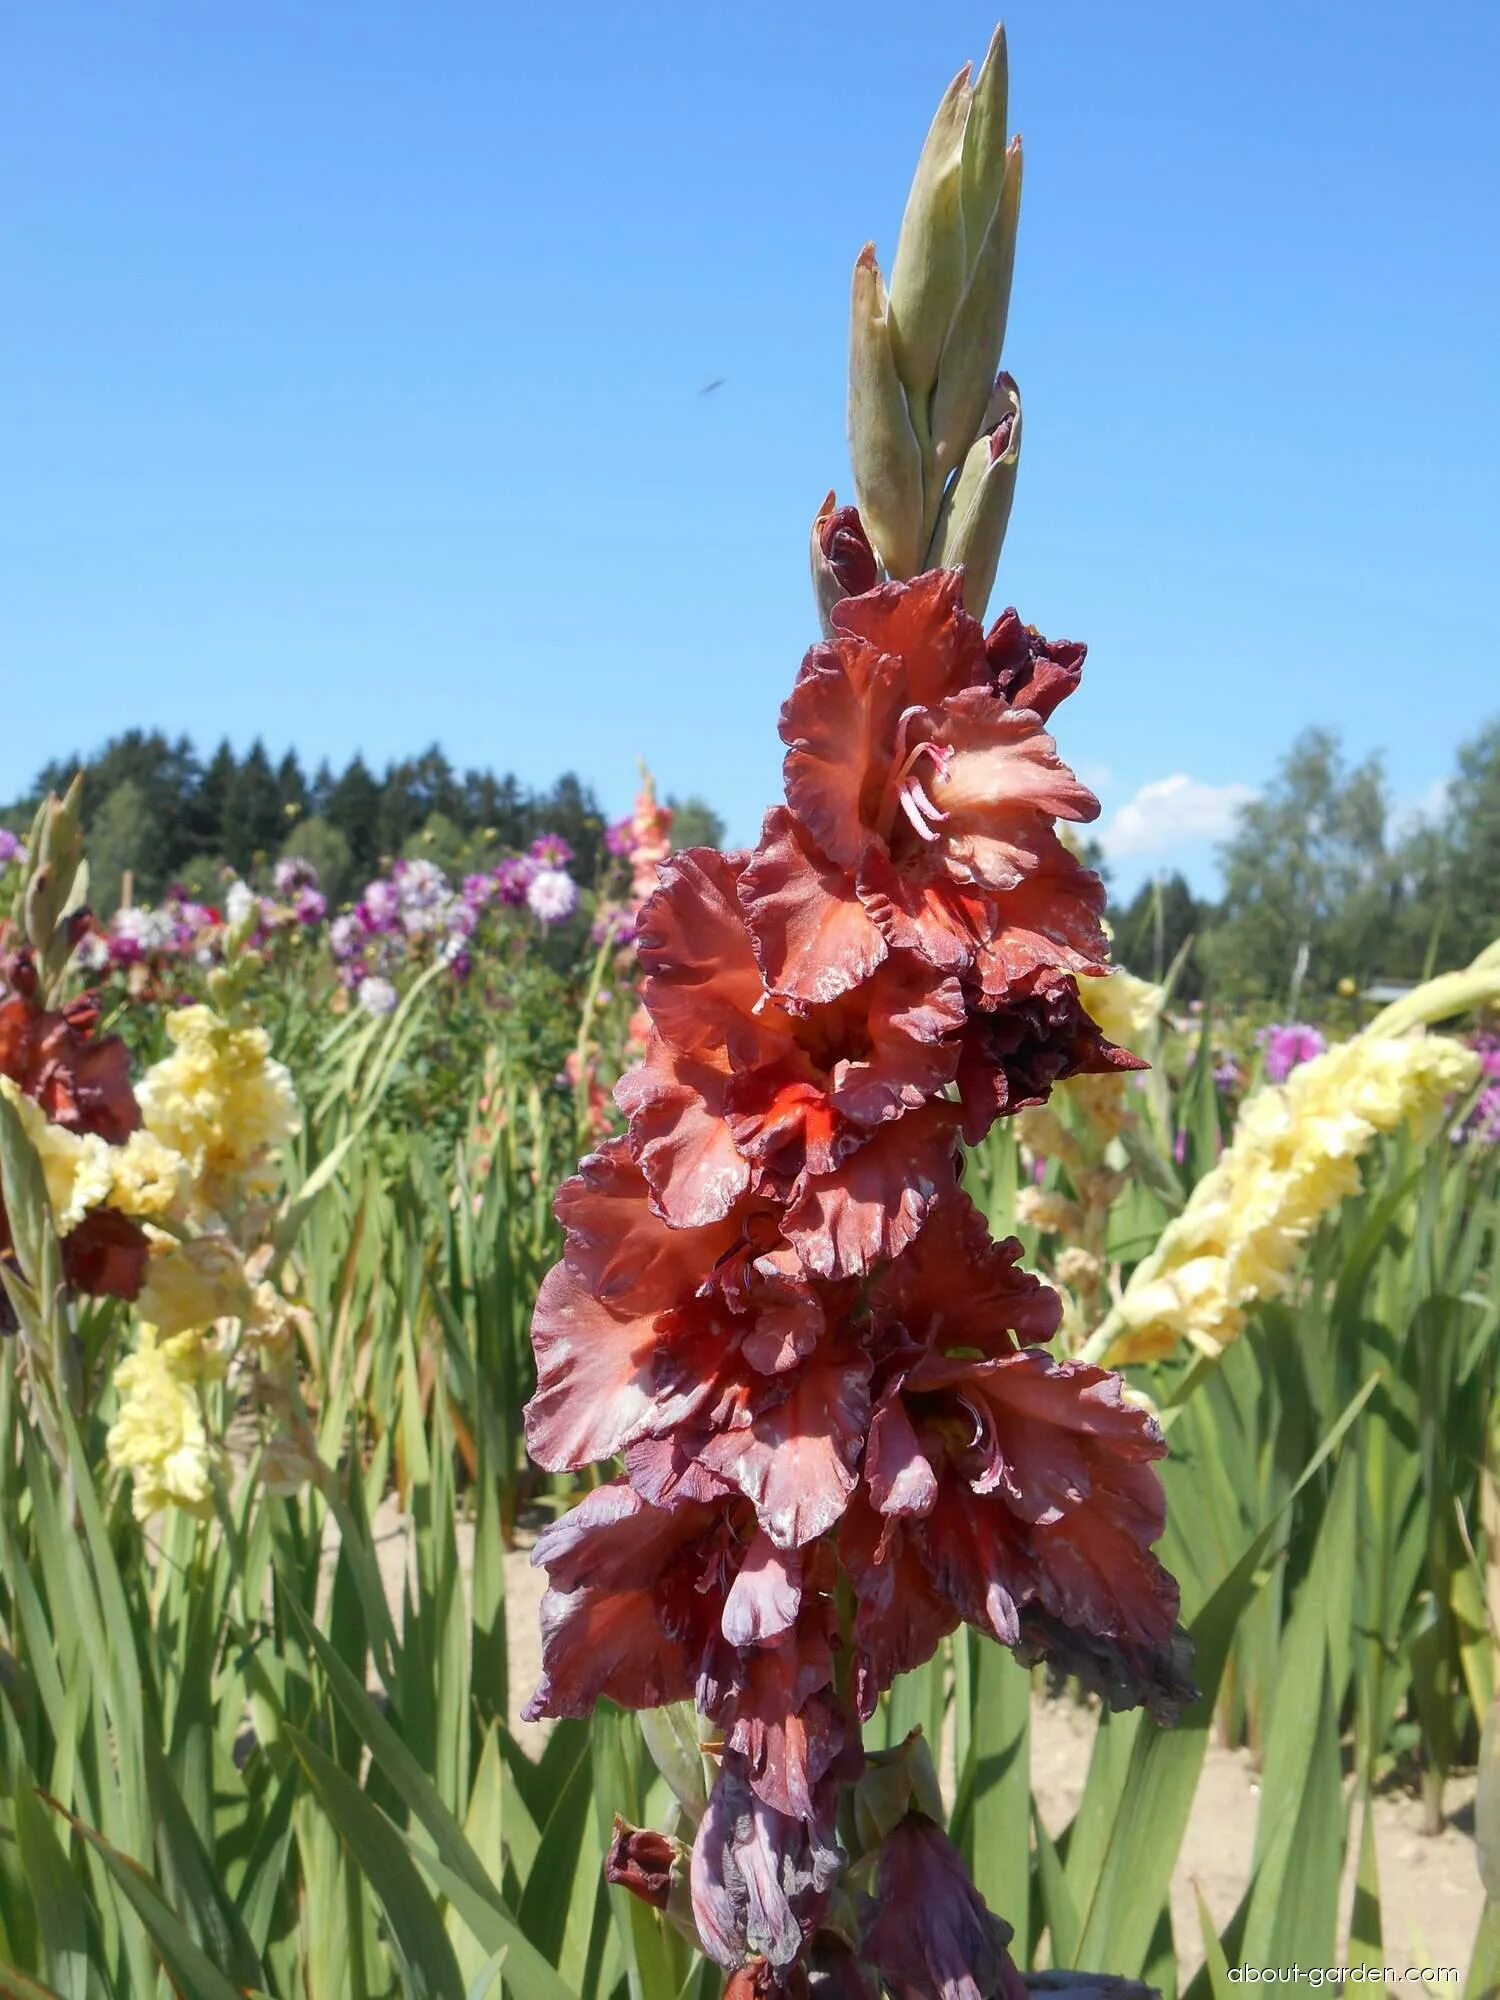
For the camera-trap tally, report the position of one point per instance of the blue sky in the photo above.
(352, 358)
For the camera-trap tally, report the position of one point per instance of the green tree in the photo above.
(1307, 875)
(208, 806)
(354, 808)
(315, 840)
(1155, 925)
(253, 821)
(1451, 867)
(165, 776)
(291, 789)
(570, 809)
(126, 839)
(695, 823)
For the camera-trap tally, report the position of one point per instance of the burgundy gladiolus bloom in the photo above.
(82, 1082)
(780, 1312)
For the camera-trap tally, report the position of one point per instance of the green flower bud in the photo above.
(53, 885)
(971, 527)
(972, 352)
(671, 1736)
(883, 448)
(927, 278)
(984, 141)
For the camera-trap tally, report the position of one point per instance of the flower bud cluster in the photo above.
(934, 435)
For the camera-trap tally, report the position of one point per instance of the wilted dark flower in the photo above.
(929, 1934)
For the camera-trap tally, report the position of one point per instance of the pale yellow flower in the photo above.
(1124, 1008)
(160, 1434)
(1294, 1158)
(190, 1285)
(219, 1100)
(1052, 1213)
(1079, 1269)
(150, 1178)
(75, 1165)
(1046, 1137)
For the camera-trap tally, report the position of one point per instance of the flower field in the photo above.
(274, 1259)
(871, 1311)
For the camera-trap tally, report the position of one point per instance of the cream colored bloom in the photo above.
(1079, 1269)
(1052, 1213)
(149, 1178)
(1294, 1159)
(75, 1165)
(1124, 1008)
(190, 1285)
(160, 1434)
(219, 1100)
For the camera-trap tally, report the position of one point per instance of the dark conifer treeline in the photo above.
(155, 808)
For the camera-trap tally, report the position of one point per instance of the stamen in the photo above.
(908, 796)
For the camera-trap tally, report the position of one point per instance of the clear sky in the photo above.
(352, 355)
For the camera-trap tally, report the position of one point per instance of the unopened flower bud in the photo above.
(971, 527)
(972, 351)
(672, 1738)
(55, 882)
(883, 448)
(641, 1861)
(843, 563)
(927, 277)
(654, 1867)
(984, 141)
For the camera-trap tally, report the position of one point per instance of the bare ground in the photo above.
(1430, 1891)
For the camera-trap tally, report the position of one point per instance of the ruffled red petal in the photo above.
(900, 1617)
(813, 938)
(921, 909)
(911, 1031)
(872, 1206)
(703, 987)
(680, 1139)
(1051, 920)
(621, 1249)
(923, 624)
(797, 1457)
(603, 1632)
(839, 725)
(958, 1289)
(607, 1377)
(1000, 788)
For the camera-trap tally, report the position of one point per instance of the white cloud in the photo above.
(1098, 777)
(1170, 813)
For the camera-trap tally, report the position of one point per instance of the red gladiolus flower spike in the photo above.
(779, 1311)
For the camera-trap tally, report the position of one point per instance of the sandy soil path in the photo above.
(1430, 1889)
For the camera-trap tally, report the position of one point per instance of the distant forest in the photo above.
(1323, 880)
(159, 813)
